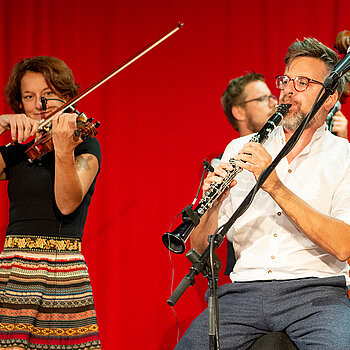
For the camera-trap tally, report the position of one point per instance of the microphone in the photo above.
(340, 69)
(43, 102)
(207, 166)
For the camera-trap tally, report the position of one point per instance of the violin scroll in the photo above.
(85, 127)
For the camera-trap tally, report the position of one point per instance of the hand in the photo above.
(217, 177)
(63, 127)
(340, 125)
(20, 125)
(254, 158)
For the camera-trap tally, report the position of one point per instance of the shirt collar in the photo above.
(320, 132)
(317, 134)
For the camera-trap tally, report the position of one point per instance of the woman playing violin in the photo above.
(45, 293)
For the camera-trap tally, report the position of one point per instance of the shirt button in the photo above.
(279, 213)
(275, 234)
(269, 271)
(272, 256)
(289, 170)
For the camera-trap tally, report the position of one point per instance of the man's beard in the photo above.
(292, 122)
(252, 125)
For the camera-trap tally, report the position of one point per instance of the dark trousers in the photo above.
(314, 312)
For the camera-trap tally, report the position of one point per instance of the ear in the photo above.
(331, 101)
(239, 113)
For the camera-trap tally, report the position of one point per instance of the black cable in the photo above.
(44, 101)
(207, 167)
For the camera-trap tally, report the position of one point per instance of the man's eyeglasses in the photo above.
(265, 99)
(300, 83)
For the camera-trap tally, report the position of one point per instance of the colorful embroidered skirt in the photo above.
(45, 296)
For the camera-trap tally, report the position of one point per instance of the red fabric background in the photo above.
(159, 119)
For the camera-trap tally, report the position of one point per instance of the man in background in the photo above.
(248, 103)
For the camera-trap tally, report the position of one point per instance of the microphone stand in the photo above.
(201, 263)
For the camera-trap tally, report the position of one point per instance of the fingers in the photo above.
(251, 153)
(64, 120)
(217, 176)
(253, 157)
(340, 119)
(340, 125)
(22, 127)
(253, 149)
(63, 127)
(64, 124)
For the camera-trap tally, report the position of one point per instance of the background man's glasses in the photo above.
(300, 83)
(265, 99)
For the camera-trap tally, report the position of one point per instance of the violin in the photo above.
(85, 126)
(44, 144)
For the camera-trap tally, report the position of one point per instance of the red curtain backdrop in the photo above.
(160, 118)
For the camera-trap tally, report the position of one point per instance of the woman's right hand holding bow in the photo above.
(20, 125)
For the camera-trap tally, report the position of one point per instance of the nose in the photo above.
(289, 87)
(38, 104)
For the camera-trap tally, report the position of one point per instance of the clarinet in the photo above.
(175, 240)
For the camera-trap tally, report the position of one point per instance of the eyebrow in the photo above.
(27, 91)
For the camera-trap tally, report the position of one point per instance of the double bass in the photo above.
(342, 43)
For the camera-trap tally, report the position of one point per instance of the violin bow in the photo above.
(44, 122)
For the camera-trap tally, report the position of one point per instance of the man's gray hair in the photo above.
(311, 47)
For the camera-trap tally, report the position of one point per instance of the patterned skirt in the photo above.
(45, 296)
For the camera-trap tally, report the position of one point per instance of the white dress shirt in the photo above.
(267, 244)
